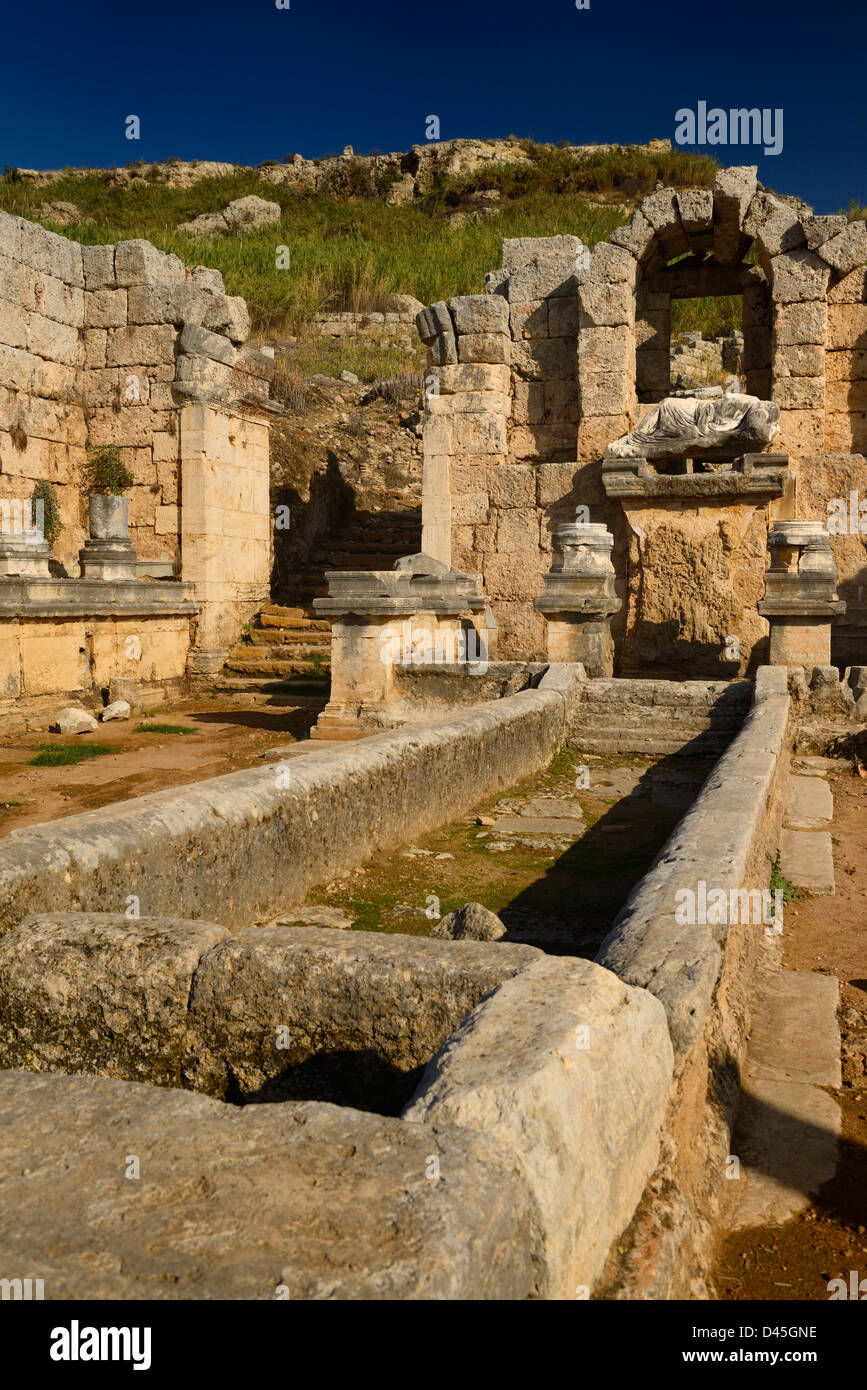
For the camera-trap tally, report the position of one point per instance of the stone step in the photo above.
(674, 727)
(288, 654)
(605, 702)
(807, 859)
(277, 669)
(811, 804)
(299, 623)
(647, 741)
(286, 637)
(278, 610)
(247, 690)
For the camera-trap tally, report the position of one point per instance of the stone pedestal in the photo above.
(800, 600)
(416, 613)
(108, 554)
(24, 550)
(23, 555)
(579, 599)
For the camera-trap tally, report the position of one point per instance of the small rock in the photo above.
(486, 820)
(350, 378)
(472, 922)
(403, 304)
(444, 855)
(73, 721)
(118, 709)
(61, 214)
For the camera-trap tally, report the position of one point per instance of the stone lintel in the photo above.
(396, 593)
(798, 607)
(68, 598)
(753, 476)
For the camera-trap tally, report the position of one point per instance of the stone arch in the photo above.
(624, 298)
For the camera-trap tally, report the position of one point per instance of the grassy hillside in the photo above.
(352, 253)
(349, 250)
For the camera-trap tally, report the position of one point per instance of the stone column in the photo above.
(225, 523)
(800, 599)
(381, 619)
(108, 554)
(579, 599)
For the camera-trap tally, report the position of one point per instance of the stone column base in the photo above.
(23, 559)
(204, 661)
(800, 641)
(571, 637)
(108, 559)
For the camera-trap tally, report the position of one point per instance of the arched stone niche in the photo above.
(624, 299)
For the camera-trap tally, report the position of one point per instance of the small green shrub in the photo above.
(52, 526)
(164, 729)
(105, 474)
(779, 882)
(64, 754)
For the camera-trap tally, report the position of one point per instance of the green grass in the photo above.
(628, 174)
(350, 251)
(67, 754)
(10, 805)
(344, 255)
(164, 729)
(351, 254)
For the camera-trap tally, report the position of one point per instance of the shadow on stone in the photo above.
(362, 1080)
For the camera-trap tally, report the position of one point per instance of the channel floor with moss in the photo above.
(555, 857)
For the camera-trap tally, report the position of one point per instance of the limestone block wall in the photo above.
(43, 429)
(846, 364)
(108, 345)
(78, 655)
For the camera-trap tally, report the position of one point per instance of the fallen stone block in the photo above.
(73, 721)
(118, 709)
(570, 1069)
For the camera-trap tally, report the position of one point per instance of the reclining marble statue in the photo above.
(679, 425)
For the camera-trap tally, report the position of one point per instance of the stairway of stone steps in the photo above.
(285, 657)
(688, 718)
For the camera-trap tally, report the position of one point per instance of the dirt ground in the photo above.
(797, 1260)
(229, 738)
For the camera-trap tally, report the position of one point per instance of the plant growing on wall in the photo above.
(51, 522)
(105, 474)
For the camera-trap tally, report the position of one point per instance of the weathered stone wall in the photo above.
(43, 430)
(577, 1118)
(254, 845)
(45, 659)
(702, 973)
(587, 343)
(107, 345)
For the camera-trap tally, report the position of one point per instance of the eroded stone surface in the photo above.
(234, 1202)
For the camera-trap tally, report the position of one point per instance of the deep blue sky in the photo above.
(243, 81)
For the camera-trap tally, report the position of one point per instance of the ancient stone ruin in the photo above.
(568, 353)
(521, 1104)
